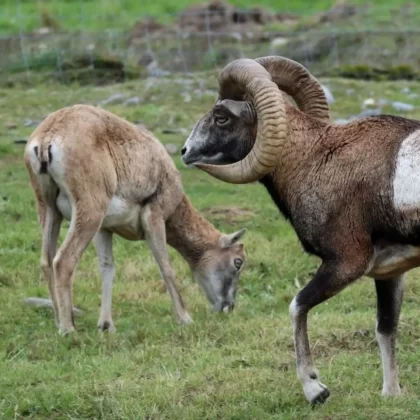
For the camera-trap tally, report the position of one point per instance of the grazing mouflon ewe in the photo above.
(105, 176)
(351, 192)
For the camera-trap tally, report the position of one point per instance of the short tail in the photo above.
(43, 153)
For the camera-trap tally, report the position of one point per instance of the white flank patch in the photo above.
(407, 174)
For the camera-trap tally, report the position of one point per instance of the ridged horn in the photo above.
(295, 79)
(246, 76)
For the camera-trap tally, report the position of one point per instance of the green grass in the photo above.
(239, 366)
(95, 15)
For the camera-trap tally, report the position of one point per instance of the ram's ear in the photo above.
(227, 241)
(240, 109)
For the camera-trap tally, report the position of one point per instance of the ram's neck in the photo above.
(190, 233)
(304, 136)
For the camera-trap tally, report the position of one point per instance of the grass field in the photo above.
(239, 366)
(93, 15)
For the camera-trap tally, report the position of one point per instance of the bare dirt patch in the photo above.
(228, 213)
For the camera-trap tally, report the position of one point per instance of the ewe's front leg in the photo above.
(155, 232)
(330, 278)
(103, 246)
(389, 299)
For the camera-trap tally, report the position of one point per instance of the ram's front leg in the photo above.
(331, 277)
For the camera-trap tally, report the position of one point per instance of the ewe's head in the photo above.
(240, 139)
(218, 271)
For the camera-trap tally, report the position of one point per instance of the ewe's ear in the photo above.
(226, 241)
(240, 109)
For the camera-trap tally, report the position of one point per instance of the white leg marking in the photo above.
(307, 374)
(391, 384)
(103, 246)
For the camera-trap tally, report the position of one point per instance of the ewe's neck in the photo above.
(190, 233)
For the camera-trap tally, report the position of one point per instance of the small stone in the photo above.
(10, 125)
(279, 42)
(135, 100)
(370, 113)
(140, 126)
(187, 97)
(21, 141)
(174, 131)
(172, 149)
(368, 102)
(405, 90)
(113, 99)
(341, 121)
(328, 94)
(401, 106)
(28, 122)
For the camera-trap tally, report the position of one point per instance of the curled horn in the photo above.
(246, 76)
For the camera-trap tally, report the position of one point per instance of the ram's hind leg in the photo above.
(389, 300)
(83, 227)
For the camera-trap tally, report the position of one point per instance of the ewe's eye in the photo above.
(237, 262)
(221, 120)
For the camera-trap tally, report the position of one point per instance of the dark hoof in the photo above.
(321, 398)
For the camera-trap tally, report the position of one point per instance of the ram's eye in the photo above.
(221, 120)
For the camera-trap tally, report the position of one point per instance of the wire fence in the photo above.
(207, 38)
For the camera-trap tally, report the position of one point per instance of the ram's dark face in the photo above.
(224, 135)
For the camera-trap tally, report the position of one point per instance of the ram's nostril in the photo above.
(183, 150)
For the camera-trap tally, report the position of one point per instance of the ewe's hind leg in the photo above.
(331, 277)
(50, 232)
(103, 245)
(50, 220)
(389, 299)
(83, 226)
(155, 232)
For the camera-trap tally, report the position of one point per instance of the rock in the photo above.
(349, 92)
(405, 90)
(401, 106)
(413, 95)
(140, 126)
(113, 99)
(172, 149)
(46, 303)
(187, 97)
(370, 113)
(10, 125)
(279, 42)
(135, 100)
(341, 121)
(368, 102)
(156, 72)
(341, 10)
(43, 31)
(174, 131)
(382, 102)
(28, 122)
(328, 94)
(20, 141)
